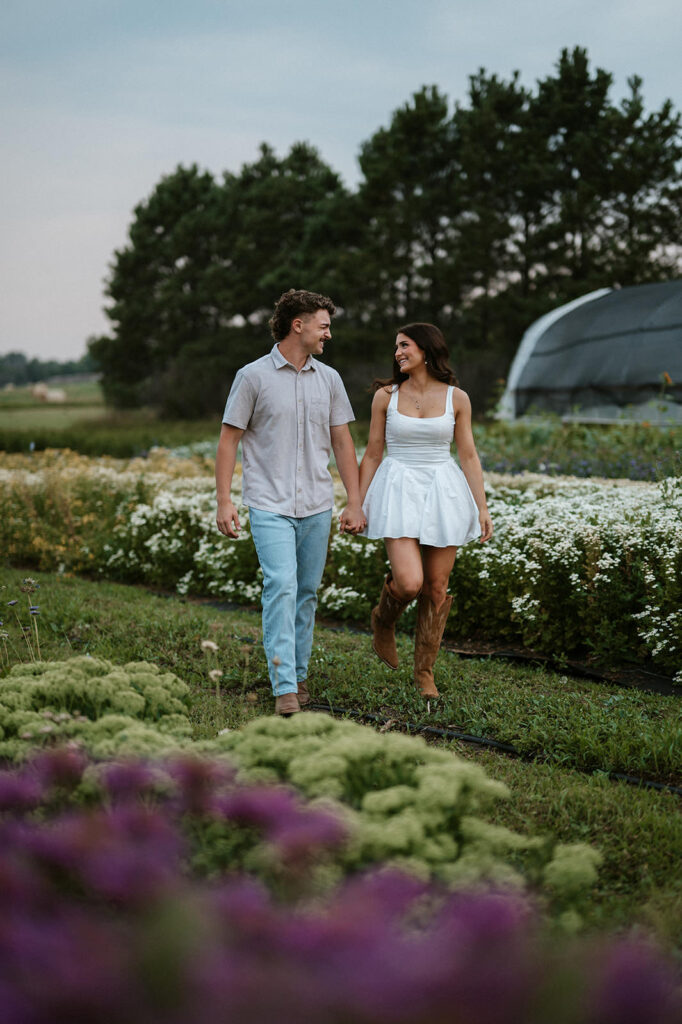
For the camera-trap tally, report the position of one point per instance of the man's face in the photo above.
(315, 330)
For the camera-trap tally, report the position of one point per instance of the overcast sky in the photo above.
(102, 97)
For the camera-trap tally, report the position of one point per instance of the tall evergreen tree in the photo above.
(160, 301)
(573, 110)
(644, 212)
(408, 201)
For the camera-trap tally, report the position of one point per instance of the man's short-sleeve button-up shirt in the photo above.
(286, 415)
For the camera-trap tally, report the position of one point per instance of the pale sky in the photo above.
(100, 98)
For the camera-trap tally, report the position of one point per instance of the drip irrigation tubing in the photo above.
(646, 680)
(484, 741)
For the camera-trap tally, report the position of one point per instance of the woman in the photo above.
(418, 499)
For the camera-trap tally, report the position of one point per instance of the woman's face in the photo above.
(408, 354)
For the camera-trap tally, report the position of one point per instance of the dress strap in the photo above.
(393, 403)
(448, 400)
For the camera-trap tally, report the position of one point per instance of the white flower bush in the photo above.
(575, 566)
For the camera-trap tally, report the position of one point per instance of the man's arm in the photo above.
(225, 461)
(352, 519)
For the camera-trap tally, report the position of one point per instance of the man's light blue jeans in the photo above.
(292, 553)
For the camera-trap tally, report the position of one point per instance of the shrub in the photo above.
(415, 807)
(573, 563)
(93, 704)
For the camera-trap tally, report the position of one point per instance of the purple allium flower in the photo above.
(61, 768)
(128, 780)
(197, 780)
(635, 986)
(18, 794)
(303, 835)
(261, 806)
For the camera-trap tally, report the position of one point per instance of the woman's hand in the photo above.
(486, 525)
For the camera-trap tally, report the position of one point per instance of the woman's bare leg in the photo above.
(406, 566)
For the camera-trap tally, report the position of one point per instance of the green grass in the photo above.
(82, 392)
(90, 431)
(639, 831)
(46, 417)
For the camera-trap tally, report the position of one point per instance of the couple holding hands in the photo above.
(290, 411)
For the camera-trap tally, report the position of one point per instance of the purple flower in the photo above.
(303, 835)
(18, 794)
(129, 780)
(635, 986)
(61, 768)
(197, 780)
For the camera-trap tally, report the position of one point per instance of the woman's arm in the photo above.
(375, 445)
(469, 460)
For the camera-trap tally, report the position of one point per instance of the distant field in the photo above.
(21, 411)
(79, 393)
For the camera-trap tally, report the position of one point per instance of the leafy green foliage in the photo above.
(107, 709)
(416, 808)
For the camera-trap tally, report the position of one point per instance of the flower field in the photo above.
(111, 914)
(163, 829)
(577, 566)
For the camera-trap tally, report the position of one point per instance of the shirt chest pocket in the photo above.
(319, 412)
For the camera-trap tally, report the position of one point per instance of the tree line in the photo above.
(478, 216)
(17, 369)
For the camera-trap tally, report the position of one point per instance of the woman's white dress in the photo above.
(419, 490)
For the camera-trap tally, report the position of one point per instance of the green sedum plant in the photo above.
(412, 806)
(89, 702)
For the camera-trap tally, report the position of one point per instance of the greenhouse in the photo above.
(614, 354)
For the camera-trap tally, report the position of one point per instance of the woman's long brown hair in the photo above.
(430, 340)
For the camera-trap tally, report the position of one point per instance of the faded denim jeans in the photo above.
(292, 553)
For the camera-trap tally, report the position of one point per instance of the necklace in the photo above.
(415, 400)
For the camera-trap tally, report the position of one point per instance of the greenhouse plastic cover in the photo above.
(609, 354)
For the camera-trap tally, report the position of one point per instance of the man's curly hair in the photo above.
(293, 304)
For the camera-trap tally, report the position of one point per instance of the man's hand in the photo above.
(228, 519)
(352, 519)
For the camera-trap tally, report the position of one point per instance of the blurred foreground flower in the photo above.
(103, 921)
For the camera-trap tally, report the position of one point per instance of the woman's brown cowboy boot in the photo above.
(383, 619)
(430, 626)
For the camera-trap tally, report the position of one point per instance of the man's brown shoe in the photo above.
(303, 695)
(287, 704)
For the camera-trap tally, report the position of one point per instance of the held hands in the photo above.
(227, 519)
(486, 525)
(352, 519)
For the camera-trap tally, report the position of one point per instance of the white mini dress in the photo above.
(419, 490)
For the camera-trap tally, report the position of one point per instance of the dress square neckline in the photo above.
(407, 416)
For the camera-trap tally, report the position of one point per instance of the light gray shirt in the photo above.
(286, 415)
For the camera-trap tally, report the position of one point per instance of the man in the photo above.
(289, 411)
